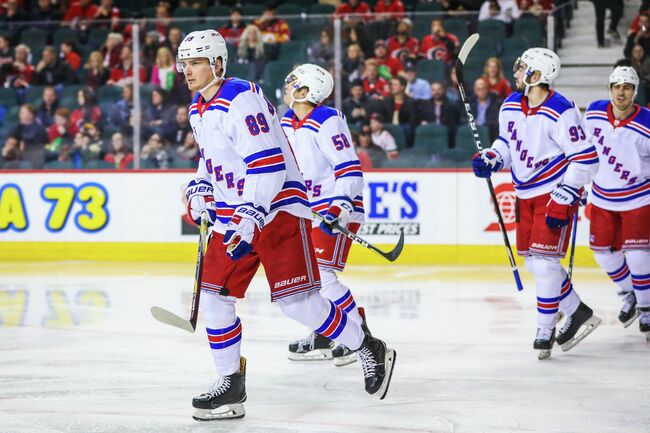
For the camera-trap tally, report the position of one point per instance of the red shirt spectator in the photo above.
(106, 11)
(232, 31)
(373, 85)
(493, 75)
(354, 8)
(402, 44)
(21, 72)
(439, 45)
(80, 9)
(274, 30)
(88, 112)
(393, 64)
(69, 56)
(393, 7)
(121, 74)
(634, 25)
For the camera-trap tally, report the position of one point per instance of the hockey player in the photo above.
(249, 181)
(620, 215)
(542, 140)
(321, 141)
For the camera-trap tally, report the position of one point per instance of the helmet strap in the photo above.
(215, 80)
(294, 100)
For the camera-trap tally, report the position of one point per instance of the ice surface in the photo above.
(79, 352)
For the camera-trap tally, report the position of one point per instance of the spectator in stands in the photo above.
(358, 34)
(322, 51)
(123, 73)
(87, 112)
(355, 105)
(46, 12)
(388, 66)
(162, 20)
(96, 73)
(251, 49)
(163, 73)
(79, 14)
(389, 9)
(50, 71)
(641, 37)
(174, 39)
(274, 30)
(87, 145)
(416, 88)
(453, 93)
(22, 70)
(616, 9)
(353, 11)
(370, 155)
(121, 112)
(69, 55)
(439, 45)
(59, 132)
(107, 11)
(159, 116)
(641, 64)
(485, 107)
(232, 31)
(6, 57)
(373, 85)
(180, 127)
(401, 110)
(112, 50)
(119, 155)
(402, 44)
(49, 105)
(381, 137)
(156, 152)
(440, 111)
(28, 137)
(502, 10)
(353, 62)
(493, 75)
(189, 149)
(13, 18)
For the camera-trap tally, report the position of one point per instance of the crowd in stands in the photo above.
(636, 50)
(67, 71)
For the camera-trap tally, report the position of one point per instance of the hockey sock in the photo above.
(224, 331)
(639, 263)
(324, 317)
(569, 299)
(614, 263)
(338, 293)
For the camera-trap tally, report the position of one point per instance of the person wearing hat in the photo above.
(416, 88)
(391, 64)
(402, 43)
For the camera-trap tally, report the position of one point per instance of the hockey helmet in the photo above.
(208, 44)
(539, 59)
(319, 82)
(624, 75)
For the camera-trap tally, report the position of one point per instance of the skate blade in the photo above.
(391, 357)
(587, 328)
(544, 354)
(231, 411)
(342, 361)
(314, 355)
(632, 319)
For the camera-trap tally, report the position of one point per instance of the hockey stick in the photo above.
(574, 232)
(390, 255)
(462, 58)
(169, 318)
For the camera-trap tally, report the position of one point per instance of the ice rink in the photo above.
(79, 352)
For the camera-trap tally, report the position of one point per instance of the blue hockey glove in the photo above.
(485, 162)
(563, 204)
(339, 212)
(199, 196)
(241, 230)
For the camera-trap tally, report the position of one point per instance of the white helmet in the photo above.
(539, 59)
(207, 44)
(319, 82)
(624, 75)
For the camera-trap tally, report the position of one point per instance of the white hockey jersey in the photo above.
(245, 154)
(623, 178)
(544, 146)
(323, 147)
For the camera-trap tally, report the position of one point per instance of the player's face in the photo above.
(520, 74)
(198, 73)
(622, 95)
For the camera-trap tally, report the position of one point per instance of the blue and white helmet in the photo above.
(207, 44)
(540, 59)
(624, 75)
(319, 82)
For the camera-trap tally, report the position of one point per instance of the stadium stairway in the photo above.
(585, 67)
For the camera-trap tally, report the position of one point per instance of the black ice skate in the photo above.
(315, 347)
(225, 398)
(644, 322)
(377, 362)
(628, 313)
(544, 342)
(568, 336)
(344, 356)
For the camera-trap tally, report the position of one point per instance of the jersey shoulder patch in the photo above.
(514, 97)
(558, 103)
(235, 86)
(643, 118)
(322, 113)
(598, 106)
